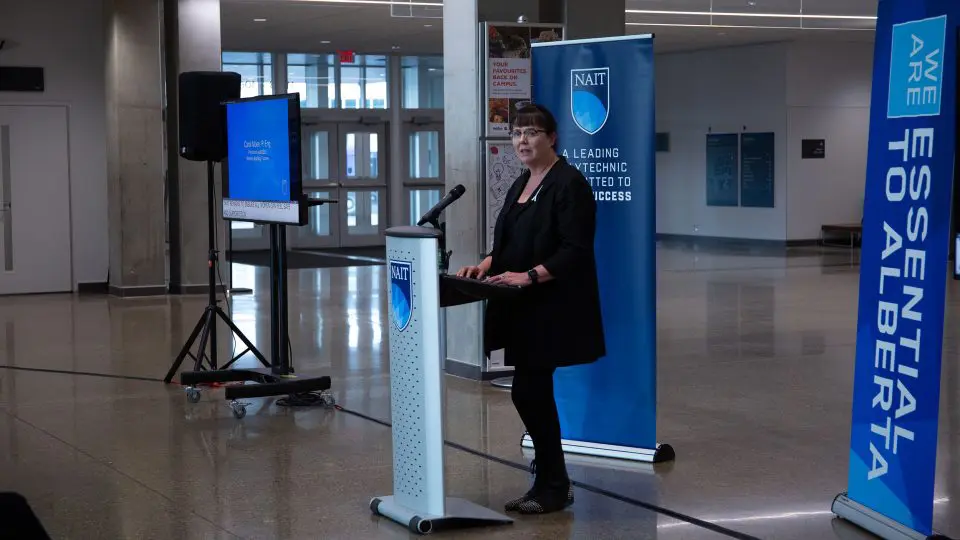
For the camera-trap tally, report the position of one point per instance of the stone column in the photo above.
(586, 18)
(193, 44)
(461, 108)
(135, 160)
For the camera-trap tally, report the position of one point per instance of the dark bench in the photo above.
(853, 232)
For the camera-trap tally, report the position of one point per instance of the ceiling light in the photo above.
(325, 41)
(259, 20)
(428, 26)
(748, 14)
(750, 26)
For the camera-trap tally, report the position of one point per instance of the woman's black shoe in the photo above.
(547, 500)
(514, 504)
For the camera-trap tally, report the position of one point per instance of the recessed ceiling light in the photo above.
(325, 41)
(259, 20)
(396, 47)
(428, 26)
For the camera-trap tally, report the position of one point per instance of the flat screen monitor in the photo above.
(264, 181)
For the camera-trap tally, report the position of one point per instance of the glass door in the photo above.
(423, 168)
(362, 187)
(346, 162)
(321, 165)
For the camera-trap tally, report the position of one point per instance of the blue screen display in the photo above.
(258, 140)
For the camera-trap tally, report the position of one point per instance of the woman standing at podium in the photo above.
(543, 242)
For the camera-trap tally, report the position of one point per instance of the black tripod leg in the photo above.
(243, 338)
(186, 349)
(202, 348)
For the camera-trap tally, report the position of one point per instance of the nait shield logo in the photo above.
(401, 308)
(590, 98)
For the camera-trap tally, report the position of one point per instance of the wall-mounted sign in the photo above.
(813, 149)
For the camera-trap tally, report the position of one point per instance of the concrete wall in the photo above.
(719, 91)
(795, 90)
(828, 97)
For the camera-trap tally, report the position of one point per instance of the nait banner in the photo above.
(602, 94)
(903, 269)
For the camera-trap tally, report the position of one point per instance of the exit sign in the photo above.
(346, 57)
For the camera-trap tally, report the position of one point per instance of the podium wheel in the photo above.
(419, 525)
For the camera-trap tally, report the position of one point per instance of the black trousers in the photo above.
(534, 399)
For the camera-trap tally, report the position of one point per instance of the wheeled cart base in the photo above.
(459, 513)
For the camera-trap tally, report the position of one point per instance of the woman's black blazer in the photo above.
(558, 322)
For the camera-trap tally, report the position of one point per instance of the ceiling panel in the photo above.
(300, 26)
(305, 26)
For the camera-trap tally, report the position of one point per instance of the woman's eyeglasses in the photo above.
(527, 132)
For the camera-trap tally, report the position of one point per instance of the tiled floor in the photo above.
(755, 370)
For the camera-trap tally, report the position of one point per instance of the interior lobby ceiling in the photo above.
(415, 27)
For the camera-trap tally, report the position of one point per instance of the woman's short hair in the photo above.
(536, 116)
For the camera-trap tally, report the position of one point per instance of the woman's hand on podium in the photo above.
(471, 272)
(513, 279)
(476, 272)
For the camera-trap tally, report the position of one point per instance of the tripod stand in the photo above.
(206, 327)
(276, 379)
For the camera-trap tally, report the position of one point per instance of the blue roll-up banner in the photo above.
(601, 92)
(903, 270)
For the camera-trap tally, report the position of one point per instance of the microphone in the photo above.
(446, 201)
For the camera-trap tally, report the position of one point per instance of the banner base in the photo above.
(872, 521)
(660, 454)
(460, 513)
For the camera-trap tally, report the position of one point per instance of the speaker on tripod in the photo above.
(204, 98)
(202, 116)
(203, 137)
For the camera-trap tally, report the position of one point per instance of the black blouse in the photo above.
(556, 322)
(518, 227)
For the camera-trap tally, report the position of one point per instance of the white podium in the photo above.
(419, 501)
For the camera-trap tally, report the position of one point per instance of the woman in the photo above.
(543, 242)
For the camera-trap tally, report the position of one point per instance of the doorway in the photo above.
(35, 234)
(343, 161)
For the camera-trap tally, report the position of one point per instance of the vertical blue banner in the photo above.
(602, 94)
(906, 224)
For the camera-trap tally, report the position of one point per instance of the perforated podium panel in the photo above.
(419, 500)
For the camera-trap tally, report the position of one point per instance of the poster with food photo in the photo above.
(508, 71)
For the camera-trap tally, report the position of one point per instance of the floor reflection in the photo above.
(755, 372)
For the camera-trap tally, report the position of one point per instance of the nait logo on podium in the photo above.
(401, 284)
(590, 98)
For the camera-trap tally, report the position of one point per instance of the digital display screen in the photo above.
(263, 181)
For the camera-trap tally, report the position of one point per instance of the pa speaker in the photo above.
(202, 118)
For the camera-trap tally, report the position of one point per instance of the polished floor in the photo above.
(755, 371)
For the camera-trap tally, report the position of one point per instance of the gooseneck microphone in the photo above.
(446, 201)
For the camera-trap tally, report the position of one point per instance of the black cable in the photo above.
(303, 399)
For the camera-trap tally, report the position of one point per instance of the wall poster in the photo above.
(757, 170)
(722, 151)
(503, 167)
(508, 70)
